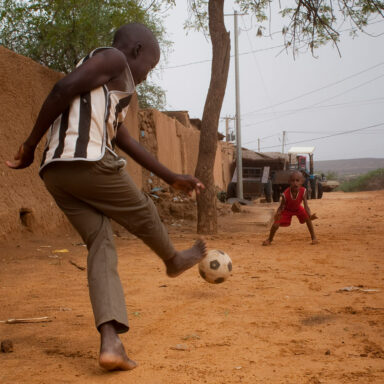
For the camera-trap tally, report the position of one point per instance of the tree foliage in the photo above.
(308, 24)
(58, 33)
(151, 96)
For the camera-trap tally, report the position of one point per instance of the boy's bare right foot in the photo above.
(267, 242)
(112, 353)
(186, 259)
(314, 242)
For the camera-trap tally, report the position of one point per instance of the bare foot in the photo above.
(314, 242)
(112, 353)
(186, 259)
(267, 242)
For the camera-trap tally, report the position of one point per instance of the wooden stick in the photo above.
(77, 265)
(44, 319)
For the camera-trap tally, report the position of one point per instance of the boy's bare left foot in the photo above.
(314, 242)
(267, 242)
(112, 353)
(116, 359)
(186, 259)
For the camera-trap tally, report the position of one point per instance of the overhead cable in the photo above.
(325, 137)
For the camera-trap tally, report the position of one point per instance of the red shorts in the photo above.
(286, 217)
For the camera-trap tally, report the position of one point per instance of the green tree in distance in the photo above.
(58, 33)
(308, 24)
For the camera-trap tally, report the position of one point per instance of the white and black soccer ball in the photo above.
(216, 267)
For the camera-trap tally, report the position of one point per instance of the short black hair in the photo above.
(296, 172)
(133, 31)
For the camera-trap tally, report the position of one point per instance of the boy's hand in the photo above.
(23, 158)
(313, 216)
(188, 184)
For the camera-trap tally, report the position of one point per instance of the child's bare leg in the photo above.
(112, 352)
(311, 231)
(274, 229)
(184, 260)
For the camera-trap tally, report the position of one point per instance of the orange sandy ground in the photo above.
(280, 318)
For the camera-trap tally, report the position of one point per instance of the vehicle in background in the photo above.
(301, 159)
(329, 185)
(258, 171)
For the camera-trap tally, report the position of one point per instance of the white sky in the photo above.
(268, 79)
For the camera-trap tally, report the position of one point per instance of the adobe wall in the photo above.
(132, 123)
(177, 145)
(223, 165)
(24, 86)
(26, 206)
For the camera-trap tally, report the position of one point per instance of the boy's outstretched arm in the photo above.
(131, 147)
(306, 206)
(96, 71)
(280, 209)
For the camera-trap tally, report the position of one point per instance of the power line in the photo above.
(263, 138)
(346, 104)
(332, 132)
(210, 60)
(332, 135)
(267, 137)
(319, 102)
(316, 90)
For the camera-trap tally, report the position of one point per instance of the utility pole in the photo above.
(258, 145)
(226, 129)
(239, 156)
(227, 135)
(282, 149)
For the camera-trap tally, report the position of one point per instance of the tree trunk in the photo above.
(221, 46)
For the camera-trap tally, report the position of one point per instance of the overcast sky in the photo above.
(305, 96)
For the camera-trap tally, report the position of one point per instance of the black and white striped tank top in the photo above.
(88, 126)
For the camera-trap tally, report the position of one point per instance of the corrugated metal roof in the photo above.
(252, 155)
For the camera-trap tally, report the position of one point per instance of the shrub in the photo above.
(371, 181)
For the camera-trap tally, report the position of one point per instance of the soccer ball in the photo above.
(215, 267)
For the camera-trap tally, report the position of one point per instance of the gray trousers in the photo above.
(91, 193)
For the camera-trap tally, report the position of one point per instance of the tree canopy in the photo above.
(58, 33)
(308, 24)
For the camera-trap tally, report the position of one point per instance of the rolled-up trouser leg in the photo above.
(105, 289)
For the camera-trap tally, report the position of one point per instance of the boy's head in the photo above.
(296, 180)
(140, 47)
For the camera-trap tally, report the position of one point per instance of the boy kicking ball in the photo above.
(290, 206)
(85, 114)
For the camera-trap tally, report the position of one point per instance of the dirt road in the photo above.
(288, 313)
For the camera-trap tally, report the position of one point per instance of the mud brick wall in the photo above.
(26, 206)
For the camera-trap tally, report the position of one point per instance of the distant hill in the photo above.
(349, 167)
